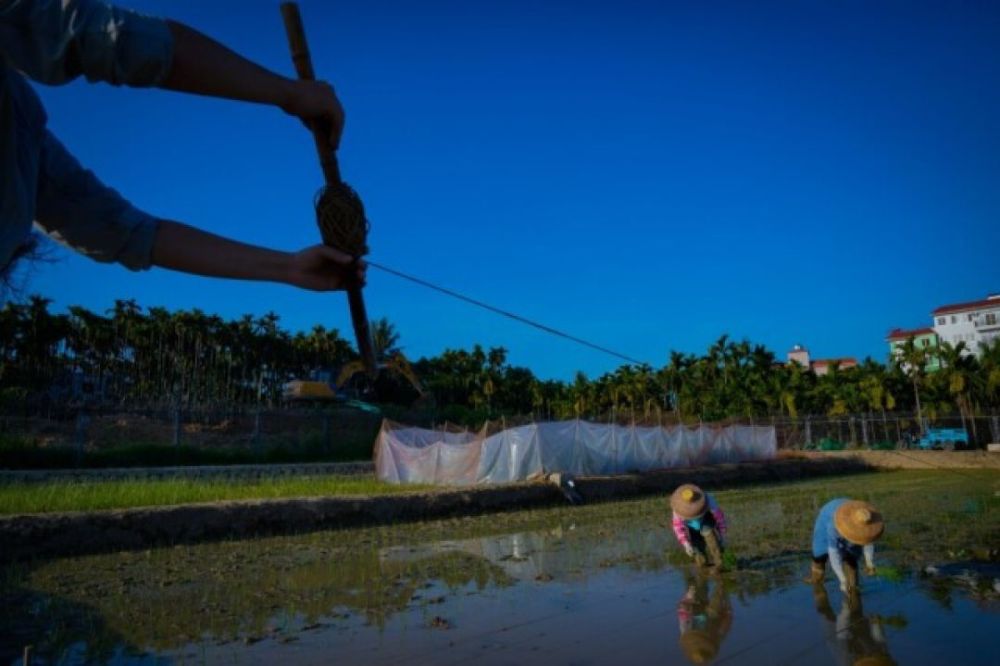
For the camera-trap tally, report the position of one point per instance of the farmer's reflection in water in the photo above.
(853, 638)
(705, 617)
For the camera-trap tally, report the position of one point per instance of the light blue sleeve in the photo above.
(76, 209)
(837, 564)
(54, 41)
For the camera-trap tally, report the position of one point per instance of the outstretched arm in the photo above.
(203, 66)
(75, 208)
(321, 268)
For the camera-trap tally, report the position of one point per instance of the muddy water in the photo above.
(585, 585)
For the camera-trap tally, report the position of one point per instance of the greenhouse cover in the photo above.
(405, 454)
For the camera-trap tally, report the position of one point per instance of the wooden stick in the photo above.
(331, 171)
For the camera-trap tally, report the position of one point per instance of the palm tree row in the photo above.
(158, 357)
(194, 359)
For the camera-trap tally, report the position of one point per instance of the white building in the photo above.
(972, 323)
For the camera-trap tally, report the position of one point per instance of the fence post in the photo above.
(327, 444)
(256, 431)
(995, 427)
(80, 435)
(809, 438)
(864, 431)
(177, 426)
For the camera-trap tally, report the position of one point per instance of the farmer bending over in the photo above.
(844, 529)
(697, 519)
(55, 41)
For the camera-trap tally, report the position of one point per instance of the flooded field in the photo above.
(585, 585)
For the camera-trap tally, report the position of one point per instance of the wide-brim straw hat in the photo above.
(688, 501)
(699, 646)
(858, 522)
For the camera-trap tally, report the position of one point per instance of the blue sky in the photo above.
(645, 175)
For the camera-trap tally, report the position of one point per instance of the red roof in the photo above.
(900, 334)
(971, 305)
(846, 362)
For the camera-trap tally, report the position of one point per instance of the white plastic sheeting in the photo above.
(416, 455)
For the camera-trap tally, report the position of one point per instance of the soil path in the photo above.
(916, 459)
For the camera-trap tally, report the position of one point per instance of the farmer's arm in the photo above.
(680, 531)
(837, 564)
(869, 551)
(54, 41)
(78, 210)
(203, 66)
(719, 515)
(183, 248)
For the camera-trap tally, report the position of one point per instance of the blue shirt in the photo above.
(52, 42)
(826, 536)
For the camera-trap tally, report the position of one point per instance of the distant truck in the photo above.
(947, 439)
(299, 391)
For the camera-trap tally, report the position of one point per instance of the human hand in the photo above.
(323, 268)
(870, 570)
(689, 549)
(316, 102)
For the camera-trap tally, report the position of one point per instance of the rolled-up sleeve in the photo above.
(53, 41)
(76, 209)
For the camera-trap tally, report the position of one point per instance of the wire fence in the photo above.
(871, 431)
(340, 432)
(238, 434)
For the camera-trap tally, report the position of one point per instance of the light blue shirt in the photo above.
(52, 42)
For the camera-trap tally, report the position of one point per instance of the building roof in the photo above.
(901, 334)
(847, 361)
(991, 301)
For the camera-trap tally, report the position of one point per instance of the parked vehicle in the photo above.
(947, 439)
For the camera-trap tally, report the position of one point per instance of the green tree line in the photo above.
(154, 357)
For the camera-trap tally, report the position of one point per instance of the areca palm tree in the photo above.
(989, 364)
(958, 373)
(912, 360)
(385, 339)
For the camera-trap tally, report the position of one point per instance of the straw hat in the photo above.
(858, 522)
(688, 501)
(699, 646)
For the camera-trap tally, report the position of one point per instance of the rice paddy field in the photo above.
(48, 497)
(597, 584)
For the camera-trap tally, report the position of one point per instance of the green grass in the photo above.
(22, 453)
(48, 497)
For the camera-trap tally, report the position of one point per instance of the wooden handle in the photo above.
(331, 171)
(303, 67)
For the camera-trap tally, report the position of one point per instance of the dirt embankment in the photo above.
(914, 459)
(54, 535)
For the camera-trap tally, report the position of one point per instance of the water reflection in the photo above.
(852, 637)
(704, 616)
(355, 585)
